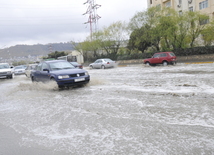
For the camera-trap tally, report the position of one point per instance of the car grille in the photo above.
(77, 75)
(3, 73)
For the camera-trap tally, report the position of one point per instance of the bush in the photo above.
(194, 51)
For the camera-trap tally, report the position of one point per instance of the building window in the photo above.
(150, 1)
(180, 2)
(203, 5)
(191, 8)
(203, 22)
(168, 4)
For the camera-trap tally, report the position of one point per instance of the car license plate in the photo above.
(78, 80)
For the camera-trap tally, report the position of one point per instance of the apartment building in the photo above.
(204, 6)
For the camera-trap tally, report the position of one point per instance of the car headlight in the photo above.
(86, 73)
(63, 76)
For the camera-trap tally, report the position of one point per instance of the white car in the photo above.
(6, 71)
(103, 63)
(19, 70)
(29, 68)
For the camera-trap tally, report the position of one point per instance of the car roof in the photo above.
(50, 61)
(163, 52)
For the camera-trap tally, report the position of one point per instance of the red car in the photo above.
(164, 58)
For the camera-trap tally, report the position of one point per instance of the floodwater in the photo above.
(129, 110)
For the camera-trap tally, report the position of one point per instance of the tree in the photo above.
(55, 55)
(207, 34)
(166, 29)
(144, 31)
(106, 41)
(197, 22)
(113, 37)
(139, 39)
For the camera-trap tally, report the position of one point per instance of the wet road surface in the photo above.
(125, 110)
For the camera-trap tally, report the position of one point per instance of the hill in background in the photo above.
(34, 50)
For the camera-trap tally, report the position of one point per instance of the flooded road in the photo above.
(126, 110)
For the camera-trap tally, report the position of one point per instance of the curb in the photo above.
(198, 62)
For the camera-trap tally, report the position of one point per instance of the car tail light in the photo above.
(108, 63)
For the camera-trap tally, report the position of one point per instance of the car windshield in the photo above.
(61, 65)
(4, 66)
(19, 67)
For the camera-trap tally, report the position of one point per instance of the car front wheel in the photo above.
(91, 67)
(147, 64)
(11, 76)
(32, 79)
(55, 85)
(102, 67)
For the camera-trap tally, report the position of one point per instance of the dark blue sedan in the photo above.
(63, 72)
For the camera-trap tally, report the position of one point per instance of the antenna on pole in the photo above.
(93, 16)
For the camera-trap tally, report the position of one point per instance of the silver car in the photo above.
(29, 68)
(18, 70)
(6, 71)
(103, 63)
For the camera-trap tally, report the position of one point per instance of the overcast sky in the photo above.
(53, 21)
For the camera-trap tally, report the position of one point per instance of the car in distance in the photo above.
(103, 63)
(61, 71)
(77, 65)
(6, 71)
(164, 58)
(29, 68)
(18, 70)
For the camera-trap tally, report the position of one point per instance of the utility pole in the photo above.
(93, 16)
(50, 48)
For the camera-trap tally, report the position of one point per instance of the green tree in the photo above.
(139, 39)
(113, 37)
(166, 28)
(106, 41)
(197, 22)
(88, 48)
(144, 31)
(207, 34)
(55, 55)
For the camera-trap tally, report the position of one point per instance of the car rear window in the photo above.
(107, 60)
(171, 54)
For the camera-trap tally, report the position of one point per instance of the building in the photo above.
(74, 56)
(204, 6)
